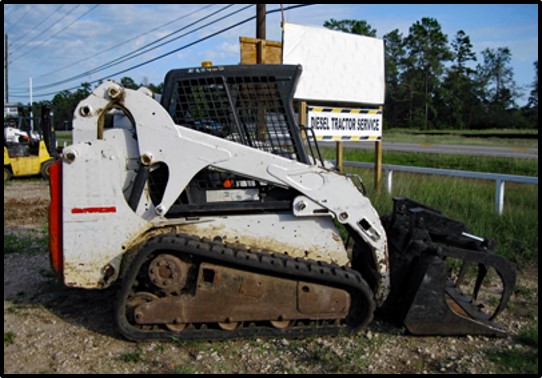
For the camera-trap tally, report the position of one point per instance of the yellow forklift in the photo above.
(27, 152)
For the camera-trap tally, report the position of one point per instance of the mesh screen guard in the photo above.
(249, 104)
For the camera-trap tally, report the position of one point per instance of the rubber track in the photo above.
(279, 265)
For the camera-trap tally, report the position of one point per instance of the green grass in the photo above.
(9, 338)
(472, 202)
(490, 137)
(529, 337)
(29, 244)
(467, 200)
(523, 167)
(132, 357)
(64, 136)
(523, 358)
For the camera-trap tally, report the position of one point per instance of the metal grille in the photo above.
(244, 109)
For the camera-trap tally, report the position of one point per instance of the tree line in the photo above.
(65, 102)
(434, 83)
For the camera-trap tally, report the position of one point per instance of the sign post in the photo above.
(378, 165)
(339, 153)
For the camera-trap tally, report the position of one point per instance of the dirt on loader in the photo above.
(49, 328)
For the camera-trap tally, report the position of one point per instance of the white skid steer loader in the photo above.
(217, 223)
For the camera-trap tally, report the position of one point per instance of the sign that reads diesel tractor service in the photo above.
(345, 123)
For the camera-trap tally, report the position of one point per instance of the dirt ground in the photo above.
(49, 328)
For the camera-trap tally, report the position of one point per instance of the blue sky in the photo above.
(75, 40)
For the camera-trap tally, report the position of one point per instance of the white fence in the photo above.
(499, 178)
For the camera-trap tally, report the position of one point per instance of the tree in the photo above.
(498, 91)
(427, 50)
(498, 77)
(395, 94)
(531, 109)
(83, 92)
(128, 82)
(65, 102)
(63, 110)
(459, 95)
(156, 88)
(360, 27)
(533, 98)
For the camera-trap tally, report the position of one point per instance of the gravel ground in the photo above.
(52, 329)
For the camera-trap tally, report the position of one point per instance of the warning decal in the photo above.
(345, 123)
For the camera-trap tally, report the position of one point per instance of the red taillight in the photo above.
(55, 217)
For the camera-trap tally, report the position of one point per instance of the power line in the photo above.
(19, 19)
(172, 51)
(138, 51)
(35, 28)
(52, 25)
(61, 30)
(96, 69)
(123, 42)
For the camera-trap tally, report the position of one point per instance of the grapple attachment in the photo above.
(444, 281)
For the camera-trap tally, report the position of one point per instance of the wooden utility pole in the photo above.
(260, 35)
(259, 50)
(6, 88)
(260, 21)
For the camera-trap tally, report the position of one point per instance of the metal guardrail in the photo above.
(499, 178)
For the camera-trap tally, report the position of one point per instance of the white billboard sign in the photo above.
(345, 124)
(337, 66)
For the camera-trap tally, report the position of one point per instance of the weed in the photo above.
(159, 348)
(523, 358)
(526, 292)
(12, 310)
(31, 244)
(133, 357)
(529, 337)
(184, 370)
(518, 360)
(9, 338)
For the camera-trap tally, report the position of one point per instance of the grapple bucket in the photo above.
(444, 281)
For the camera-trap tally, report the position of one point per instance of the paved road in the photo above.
(516, 152)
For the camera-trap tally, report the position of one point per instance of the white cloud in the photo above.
(114, 24)
(229, 48)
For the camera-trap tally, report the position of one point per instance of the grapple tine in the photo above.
(462, 272)
(482, 273)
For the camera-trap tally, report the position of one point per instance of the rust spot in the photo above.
(239, 295)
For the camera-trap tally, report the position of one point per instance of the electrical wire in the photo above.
(51, 26)
(123, 42)
(170, 52)
(109, 64)
(34, 29)
(57, 33)
(19, 19)
(138, 51)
